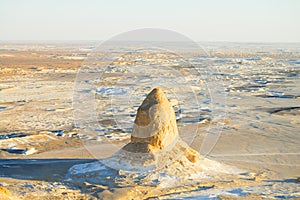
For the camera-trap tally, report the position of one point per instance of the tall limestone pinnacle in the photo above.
(155, 122)
(155, 128)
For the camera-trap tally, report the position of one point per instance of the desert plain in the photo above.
(41, 137)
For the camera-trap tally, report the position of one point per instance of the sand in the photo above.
(39, 141)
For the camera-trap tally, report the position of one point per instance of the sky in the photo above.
(200, 20)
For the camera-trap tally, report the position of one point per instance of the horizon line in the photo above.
(97, 40)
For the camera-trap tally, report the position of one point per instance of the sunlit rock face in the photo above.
(155, 130)
(155, 122)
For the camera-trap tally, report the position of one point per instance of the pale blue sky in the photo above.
(210, 20)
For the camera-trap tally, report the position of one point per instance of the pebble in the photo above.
(257, 179)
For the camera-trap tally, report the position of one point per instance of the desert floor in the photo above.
(39, 141)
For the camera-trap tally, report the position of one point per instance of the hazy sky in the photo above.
(209, 20)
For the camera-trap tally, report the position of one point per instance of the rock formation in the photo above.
(155, 127)
(154, 152)
(155, 122)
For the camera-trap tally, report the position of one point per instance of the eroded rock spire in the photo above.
(155, 122)
(155, 129)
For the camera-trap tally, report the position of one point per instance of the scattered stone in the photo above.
(191, 154)
(256, 178)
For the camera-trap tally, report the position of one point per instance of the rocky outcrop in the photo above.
(155, 123)
(154, 152)
(155, 129)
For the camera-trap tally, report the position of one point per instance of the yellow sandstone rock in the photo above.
(4, 193)
(155, 127)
